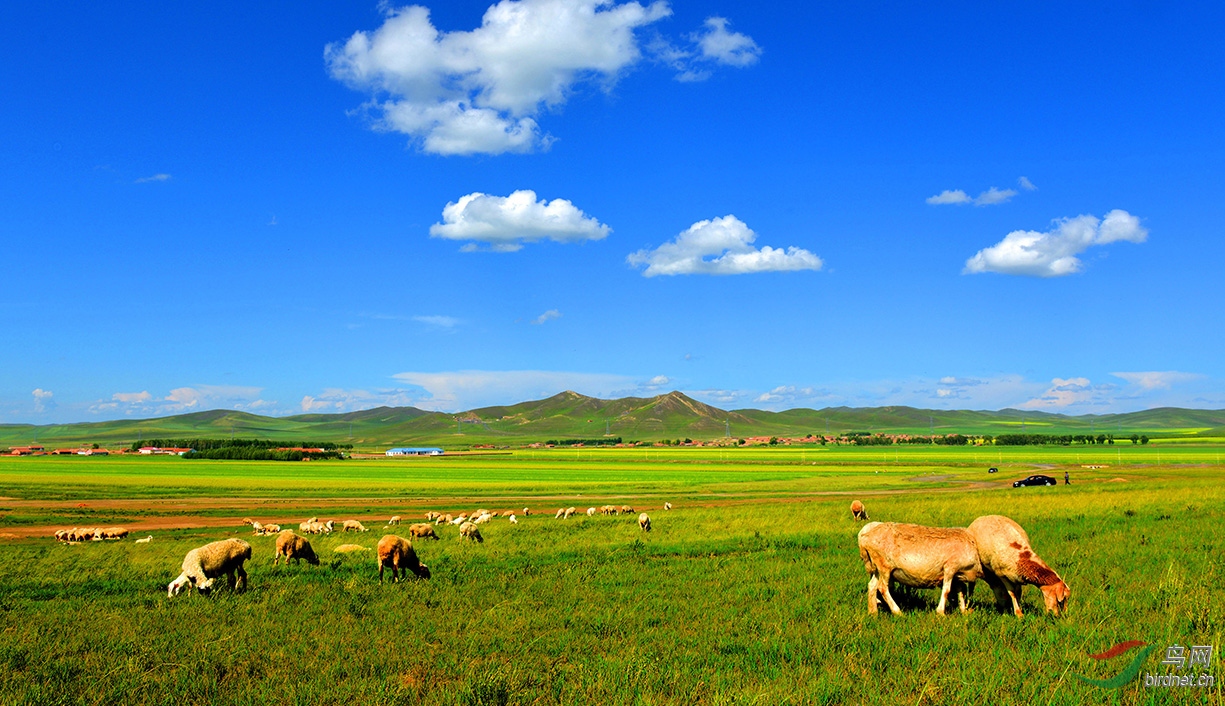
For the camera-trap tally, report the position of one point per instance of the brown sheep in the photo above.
(423, 530)
(918, 556)
(398, 554)
(203, 565)
(1009, 562)
(291, 546)
(470, 531)
(858, 511)
(644, 522)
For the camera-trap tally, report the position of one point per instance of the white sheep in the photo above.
(203, 565)
(569, 512)
(395, 519)
(482, 518)
(918, 556)
(514, 520)
(146, 540)
(667, 506)
(591, 512)
(1009, 562)
(560, 511)
(644, 522)
(526, 512)
(291, 546)
(353, 526)
(470, 531)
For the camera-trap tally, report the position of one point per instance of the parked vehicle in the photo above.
(1034, 480)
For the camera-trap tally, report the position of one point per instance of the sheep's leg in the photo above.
(944, 592)
(242, 577)
(1014, 593)
(882, 585)
(963, 597)
(873, 597)
(380, 572)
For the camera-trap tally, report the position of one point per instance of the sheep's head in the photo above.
(1056, 597)
(205, 587)
(422, 571)
(177, 586)
(309, 555)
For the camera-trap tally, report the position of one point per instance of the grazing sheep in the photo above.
(514, 520)
(608, 510)
(459, 520)
(526, 512)
(470, 531)
(291, 546)
(422, 530)
(257, 527)
(146, 540)
(482, 519)
(328, 526)
(591, 512)
(918, 556)
(560, 511)
(203, 565)
(569, 512)
(1009, 562)
(627, 510)
(398, 554)
(114, 533)
(858, 511)
(430, 516)
(272, 529)
(644, 522)
(667, 506)
(395, 519)
(353, 526)
(346, 548)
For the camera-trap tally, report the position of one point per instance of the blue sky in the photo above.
(324, 207)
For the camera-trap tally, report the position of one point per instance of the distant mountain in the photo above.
(569, 415)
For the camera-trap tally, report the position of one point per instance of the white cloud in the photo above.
(1158, 380)
(155, 177)
(727, 241)
(724, 47)
(468, 389)
(1053, 253)
(658, 381)
(547, 316)
(786, 393)
(334, 400)
(505, 223)
(439, 321)
(479, 91)
(183, 399)
(1065, 393)
(990, 197)
(42, 400)
(994, 196)
(132, 397)
(1026, 184)
(949, 197)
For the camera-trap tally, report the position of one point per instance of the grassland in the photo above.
(750, 591)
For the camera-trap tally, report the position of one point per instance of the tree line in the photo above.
(202, 445)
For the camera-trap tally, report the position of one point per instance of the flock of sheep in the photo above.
(993, 548)
(204, 565)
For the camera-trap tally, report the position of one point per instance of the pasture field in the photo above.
(749, 591)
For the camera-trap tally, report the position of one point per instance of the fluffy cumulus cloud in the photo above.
(990, 197)
(1054, 253)
(1070, 392)
(721, 246)
(42, 400)
(183, 399)
(481, 91)
(505, 223)
(334, 400)
(710, 46)
(1158, 380)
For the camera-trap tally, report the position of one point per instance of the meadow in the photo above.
(749, 591)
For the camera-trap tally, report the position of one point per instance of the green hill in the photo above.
(569, 415)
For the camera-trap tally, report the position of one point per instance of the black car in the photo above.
(1034, 480)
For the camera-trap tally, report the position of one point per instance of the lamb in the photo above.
(569, 512)
(627, 510)
(1009, 562)
(667, 506)
(203, 565)
(644, 522)
(514, 520)
(470, 531)
(483, 518)
(858, 511)
(395, 519)
(271, 529)
(591, 512)
(354, 526)
(423, 530)
(923, 557)
(398, 553)
(146, 540)
(291, 546)
(526, 512)
(560, 512)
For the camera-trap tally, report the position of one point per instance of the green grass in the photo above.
(750, 591)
